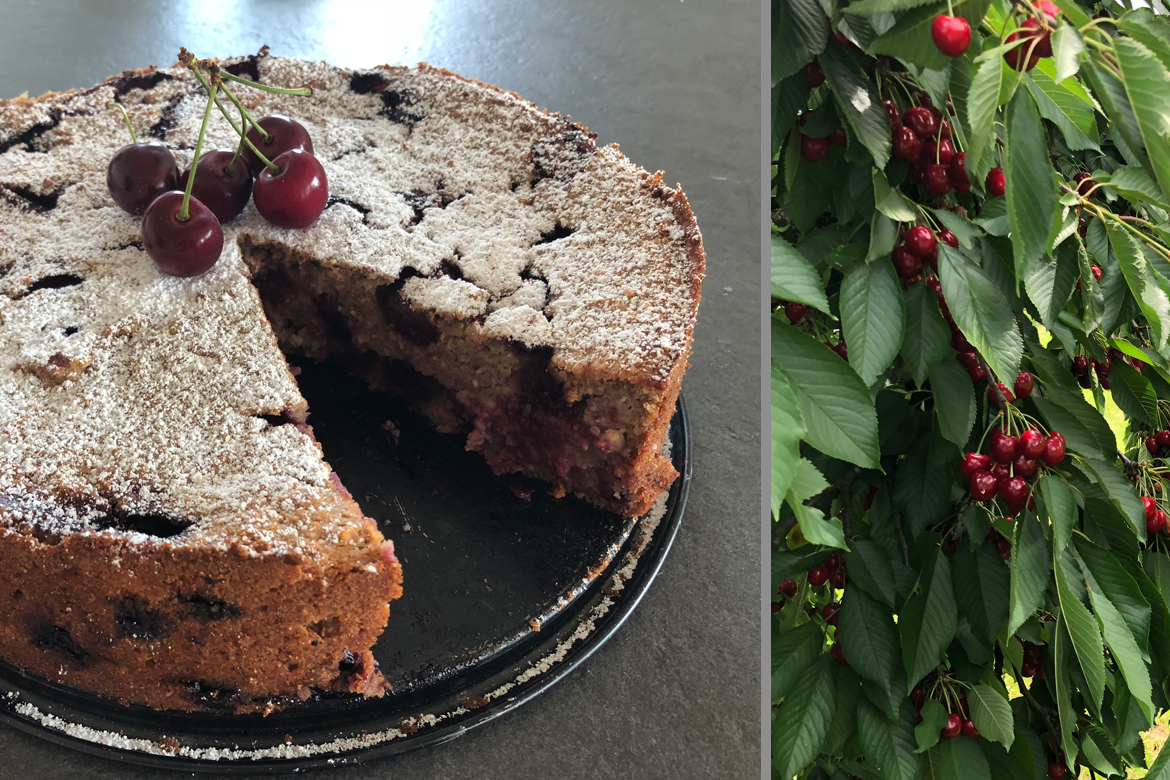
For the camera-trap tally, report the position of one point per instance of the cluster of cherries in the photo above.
(1011, 460)
(1081, 364)
(831, 572)
(1036, 36)
(919, 247)
(1033, 660)
(923, 136)
(182, 215)
(958, 714)
(1001, 543)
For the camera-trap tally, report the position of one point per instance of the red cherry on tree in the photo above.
(788, 588)
(1001, 447)
(1150, 506)
(996, 183)
(139, 173)
(1080, 365)
(832, 563)
(1016, 57)
(953, 727)
(942, 152)
(839, 579)
(225, 192)
(818, 576)
(969, 729)
(1096, 272)
(813, 75)
(284, 135)
(839, 138)
(949, 238)
(1043, 37)
(936, 179)
(1163, 438)
(974, 461)
(838, 655)
(957, 173)
(1003, 547)
(1024, 384)
(906, 143)
(829, 613)
(1003, 390)
(894, 114)
(813, 149)
(1156, 523)
(951, 34)
(795, 311)
(971, 362)
(181, 247)
(1152, 446)
(920, 241)
(983, 485)
(1160, 519)
(1053, 450)
(1056, 770)
(918, 695)
(296, 196)
(959, 342)
(1032, 443)
(1024, 466)
(1014, 490)
(906, 263)
(1084, 182)
(921, 121)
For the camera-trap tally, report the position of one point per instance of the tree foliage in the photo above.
(970, 566)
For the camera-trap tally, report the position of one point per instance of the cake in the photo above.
(170, 533)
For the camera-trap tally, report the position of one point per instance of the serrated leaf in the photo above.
(982, 102)
(858, 102)
(927, 340)
(981, 587)
(793, 277)
(994, 218)
(1135, 185)
(808, 482)
(1062, 665)
(799, 33)
(1085, 635)
(1060, 508)
(787, 427)
(1146, 83)
(1124, 650)
(870, 570)
(1073, 117)
(792, 652)
(928, 620)
(883, 235)
(802, 722)
(965, 230)
(981, 311)
(922, 484)
(1092, 296)
(954, 401)
(1084, 429)
(992, 714)
(1029, 561)
(1120, 492)
(1106, 575)
(934, 718)
(836, 405)
(1028, 752)
(961, 759)
(1134, 394)
(873, 318)
(1067, 45)
(1050, 282)
(868, 637)
(1151, 31)
(889, 201)
(910, 39)
(1032, 195)
(1098, 752)
(887, 744)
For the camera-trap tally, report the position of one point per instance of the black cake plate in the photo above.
(506, 591)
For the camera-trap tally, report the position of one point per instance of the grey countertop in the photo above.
(676, 693)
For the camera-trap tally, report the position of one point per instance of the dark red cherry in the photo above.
(914, 172)
(838, 655)
(1080, 365)
(918, 695)
(1160, 519)
(936, 179)
(181, 248)
(1150, 506)
(818, 576)
(832, 563)
(971, 362)
(920, 241)
(951, 34)
(1003, 390)
(1152, 446)
(1015, 57)
(296, 196)
(938, 152)
(974, 461)
(839, 138)
(225, 192)
(969, 729)
(996, 183)
(788, 588)
(1096, 272)
(906, 143)
(839, 579)
(1024, 384)
(953, 727)
(1084, 182)
(906, 263)
(1001, 447)
(813, 75)
(1163, 438)
(829, 613)
(1024, 466)
(1053, 450)
(949, 238)
(1003, 547)
(139, 173)
(1043, 38)
(813, 149)
(1014, 490)
(959, 342)
(284, 134)
(983, 485)
(1156, 523)
(921, 121)
(1057, 770)
(1032, 443)
(795, 311)
(894, 113)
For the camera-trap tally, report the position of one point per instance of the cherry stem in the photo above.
(245, 140)
(239, 149)
(125, 116)
(302, 91)
(263, 133)
(183, 216)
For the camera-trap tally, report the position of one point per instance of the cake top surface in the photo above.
(129, 398)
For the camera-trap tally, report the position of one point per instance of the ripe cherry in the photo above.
(813, 75)
(1097, 272)
(1084, 182)
(936, 179)
(284, 134)
(906, 263)
(1003, 390)
(832, 563)
(1002, 471)
(917, 695)
(813, 149)
(1160, 518)
(894, 113)
(953, 727)
(1056, 770)
(957, 173)
(1150, 506)
(1053, 450)
(225, 192)
(839, 579)
(949, 238)
(1003, 547)
(868, 502)
(969, 729)
(838, 137)
(1163, 438)
(951, 34)
(296, 196)
(1080, 365)
(1024, 384)
(940, 152)
(842, 350)
(959, 342)
(921, 121)
(1025, 466)
(914, 173)
(920, 241)
(181, 248)
(829, 613)
(1015, 57)
(971, 362)
(983, 485)
(1014, 490)
(1152, 446)
(788, 588)
(906, 144)
(1032, 443)
(1001, 447)
(818, 576)
(795, 311)
(139, 173)
(1156, 523)
(974, 461)
(1043, 37)
(996, 183)
(838, 655)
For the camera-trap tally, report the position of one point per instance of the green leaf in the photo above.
(806, 483)
(1032, 197)
(954, 401)
(1060, 507)
(836, 405)
(1092, 296)
(1146, 83)
(802, 722)
(873, 318)
(1135, 185)
(1028, 752)
(1107, 576)
(981, 588)
(928, 340)
(1067, 45)
(1150, 30)
(1050, 282)
(992, 714)
(1085, 635)
(871, 7)
(923, 483)
(1096, 749)
(1134, 394)
(994, 217)
(888, 745)
(870, 570)
(1062, 663)
(858, 102)
(1110, 92)
(799, 33)
(928, 620)
(868, 637)
(883, 235)
(889, 201)
(934, 718)
(1120, 492)
(961, 759)
(982, 102)
(787, 428)
(793, 278)
(792, 652)
(1073, 117)
(965, 230)
(1124, 650)
(910, 41)
(1082, 426)
(981, 311)
(1029, 561)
